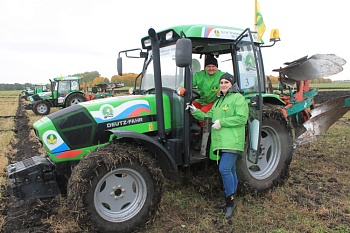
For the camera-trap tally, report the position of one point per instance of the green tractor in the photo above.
(65, 91)
(34, 89)
(113, 154)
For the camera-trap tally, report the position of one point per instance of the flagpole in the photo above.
(255, 23)
(259, 22)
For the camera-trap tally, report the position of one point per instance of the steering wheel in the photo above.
(149, 91)
(195, 95)
(153, 90)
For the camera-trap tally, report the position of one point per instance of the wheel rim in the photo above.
(270, 146)
(41, 108)
(120, 195)
(75, 101)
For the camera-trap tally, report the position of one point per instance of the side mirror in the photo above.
(119, 66)
(183, 53)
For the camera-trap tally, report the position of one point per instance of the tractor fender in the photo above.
(166, 161)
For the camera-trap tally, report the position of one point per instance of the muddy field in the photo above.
(27, 216)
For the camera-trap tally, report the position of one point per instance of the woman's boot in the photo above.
(230, 205)
(220, 206)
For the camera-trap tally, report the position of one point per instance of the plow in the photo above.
(297, 75)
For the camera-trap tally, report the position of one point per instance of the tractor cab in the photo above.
(62, 86)
(172, 58)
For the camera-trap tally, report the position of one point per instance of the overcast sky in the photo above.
(43, 39)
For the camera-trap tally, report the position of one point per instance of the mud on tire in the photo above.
(115, 189)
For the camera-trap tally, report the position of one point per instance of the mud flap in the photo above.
(322, 118)
(254, 134)
(254, 130)
(205, 138)
(28, 107)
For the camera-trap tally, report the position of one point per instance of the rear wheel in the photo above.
(276, 150)
(74, 99)
(41, 108)
(119, 188)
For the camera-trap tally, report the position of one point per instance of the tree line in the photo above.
(93, 78)
(89, 79)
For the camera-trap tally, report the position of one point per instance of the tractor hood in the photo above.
(72, 132)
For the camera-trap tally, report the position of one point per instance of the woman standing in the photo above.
(229, 114)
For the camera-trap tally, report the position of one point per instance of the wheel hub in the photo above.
(117, 192)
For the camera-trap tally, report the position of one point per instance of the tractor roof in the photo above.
(205, 38)
(67, 78)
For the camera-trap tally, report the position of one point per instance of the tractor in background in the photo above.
(34, 89)
(64, 92)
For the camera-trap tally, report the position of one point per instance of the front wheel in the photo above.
(119, 188)
(276, 150)
(41, 108)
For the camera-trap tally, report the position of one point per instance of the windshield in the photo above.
(248, 69)
(172, 76)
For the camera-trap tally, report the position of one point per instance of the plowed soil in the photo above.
(27, 216)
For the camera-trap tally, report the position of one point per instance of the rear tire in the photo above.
(276, 154)
(74, 99)
(41, 108)
(119, 189)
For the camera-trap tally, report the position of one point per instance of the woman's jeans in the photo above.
(227, 169)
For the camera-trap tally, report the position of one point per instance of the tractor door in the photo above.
(250, 78)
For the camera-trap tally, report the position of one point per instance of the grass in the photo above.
(6, 124)
(334, 85)
(327, 86)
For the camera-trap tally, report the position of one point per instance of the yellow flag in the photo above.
(259, 22)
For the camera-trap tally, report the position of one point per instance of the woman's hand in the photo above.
(191, 107)
(216, 125)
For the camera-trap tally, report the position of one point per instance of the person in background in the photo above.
(207, 83)
(229, 115)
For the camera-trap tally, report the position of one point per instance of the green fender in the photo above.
(166, 161)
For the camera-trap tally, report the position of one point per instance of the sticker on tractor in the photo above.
(129, 109)
(220, 33)
(54, 141)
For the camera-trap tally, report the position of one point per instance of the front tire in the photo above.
(41, 108)
(276, 150)
(119, 189)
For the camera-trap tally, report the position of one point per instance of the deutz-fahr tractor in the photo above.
(65, 91)
(34, 89)
(111, 156)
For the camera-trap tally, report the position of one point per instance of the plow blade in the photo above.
(316, 66)
(322, 118)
